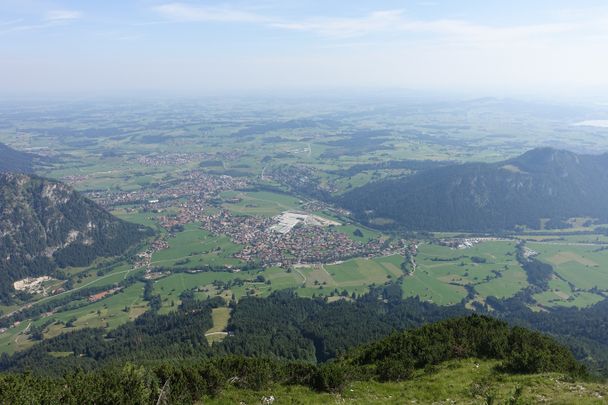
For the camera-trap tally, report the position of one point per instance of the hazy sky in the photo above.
(487, 47)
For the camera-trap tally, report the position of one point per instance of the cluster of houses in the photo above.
(144, 259)
(171, 159)
(290, 238)
(465, 243)
(459, 243)
(191, 183)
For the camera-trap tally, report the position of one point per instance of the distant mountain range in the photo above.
(542, 184)
(44, 224)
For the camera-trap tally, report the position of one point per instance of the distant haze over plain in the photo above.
(542, 48)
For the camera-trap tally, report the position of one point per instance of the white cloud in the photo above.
(184, 12)
(51, 19)
(381, 21)
(10, 22)
(62, 15)
(395, 21)
(347, 27)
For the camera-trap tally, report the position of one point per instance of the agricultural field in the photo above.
(169, 288)
(225, 284)
(15, 339)
(565, 238)
(581, 272)
(429, 288)
(561, 294)
(366, 233)
(491, 268)
(352, 276)
(220, 318)
(440, 277)
(260, 203)
(194, 247)
(108, 313)
(89, 277)
(149, 219)
(138, 162)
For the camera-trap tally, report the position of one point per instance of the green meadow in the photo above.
(172, 286)
(220, 318)
(560, 293)
(260, 203)
(491, 268)
(108, 313)
(349, 229)
(468, 381)
(195, 247)
(579, 269)
(584, 266)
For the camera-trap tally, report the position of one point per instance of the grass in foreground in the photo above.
(463, 382)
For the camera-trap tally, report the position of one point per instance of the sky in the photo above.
(485, 48)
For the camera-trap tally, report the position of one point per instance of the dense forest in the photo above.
(46, 225)
(394, 358)
(282, 326)
(542, 183)
(12, 160)
(177, 335)
(287, 327)
(583, 330)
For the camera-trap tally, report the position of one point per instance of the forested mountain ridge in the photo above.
(12, 160)
(543, 183)
(44, 224)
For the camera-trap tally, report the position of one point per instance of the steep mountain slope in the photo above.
(12, 160)
(542, 183)
(44, 224)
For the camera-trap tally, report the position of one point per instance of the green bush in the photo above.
(532, 352)
(395, 370)
(332, 377)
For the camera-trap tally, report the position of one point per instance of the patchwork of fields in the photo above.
(351, 276)
(581, 273)
(442, 275)
(194, 247)
(334, 151)
(260, 203)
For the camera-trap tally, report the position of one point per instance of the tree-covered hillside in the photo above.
(284, 326)
(12, 160)
(541, 184)
(45, 225)
(400, 357)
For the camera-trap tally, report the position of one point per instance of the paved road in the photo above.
(216, 333)
(262, 174)
(23, 332)
(569, 243)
